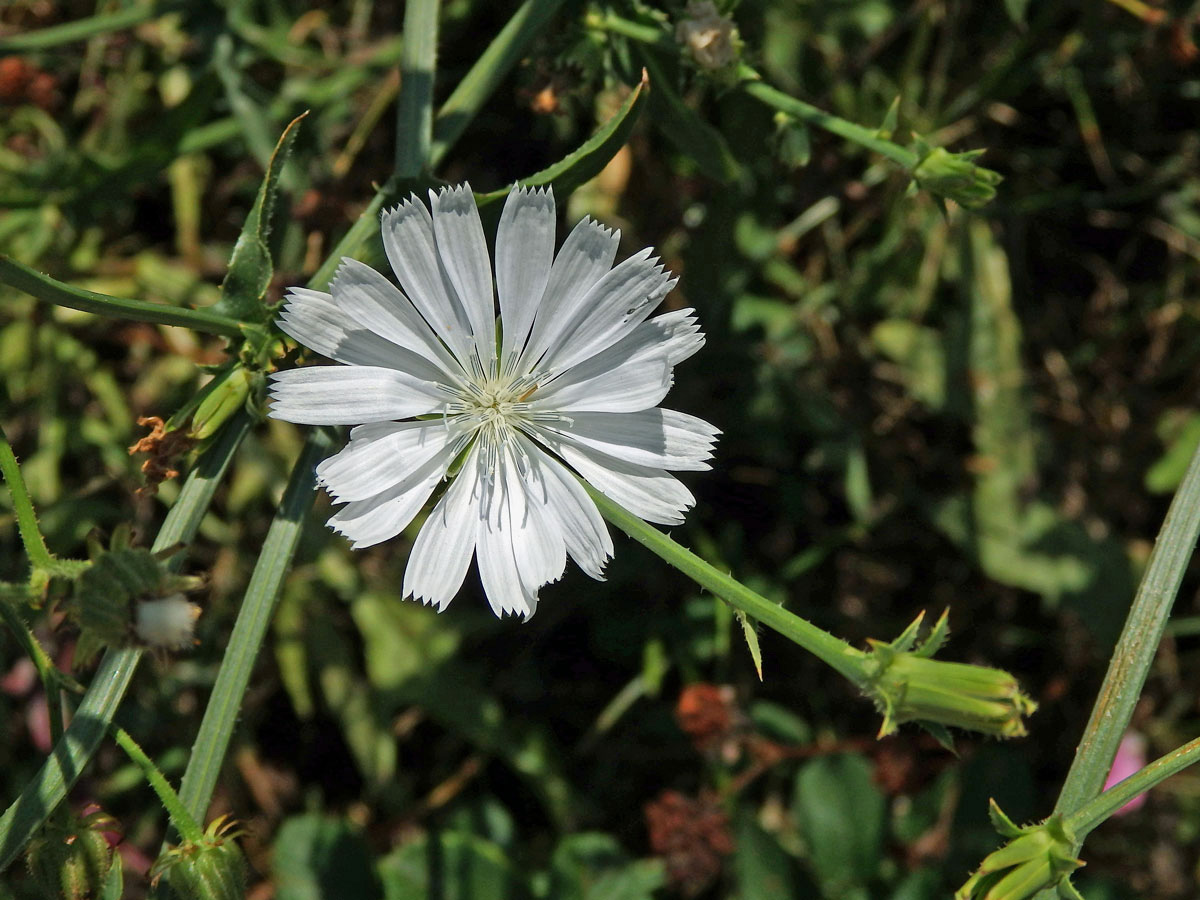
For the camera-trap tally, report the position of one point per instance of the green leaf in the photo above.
(1182, 440)
(763, 869)
(592, 156)
(840, 812)
(318, 858)
(683, 127)
(751, 635)
(452, 866)
(250, 266)
(918, 352)
(593, 866)
(1016, 10)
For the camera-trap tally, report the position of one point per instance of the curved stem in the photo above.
(31, 535)
(23, 278)
(187, 826)
(829, 649)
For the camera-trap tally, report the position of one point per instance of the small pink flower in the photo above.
(1131, 758)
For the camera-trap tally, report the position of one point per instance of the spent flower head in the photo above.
(511, 412)
(711, 38)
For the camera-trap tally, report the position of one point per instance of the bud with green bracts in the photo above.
(954, 175)
(1036, 858)
(228, 393)
(109, 594)
(211, 869)
(908, 685)
(71, 861)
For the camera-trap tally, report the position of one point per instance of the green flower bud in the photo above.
(955, 175)
(225, 398)
(1036, 858)
(71, 861)
(211, 869)
(909, 686)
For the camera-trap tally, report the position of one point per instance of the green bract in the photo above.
(1036, 857)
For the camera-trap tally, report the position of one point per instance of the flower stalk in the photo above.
(900, 677)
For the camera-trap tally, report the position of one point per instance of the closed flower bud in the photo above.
(71, 862)
(211, 869)
(909, 686)
(955, 176)
(226, 397)
(1036, 858)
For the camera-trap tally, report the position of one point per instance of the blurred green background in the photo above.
(983, 411)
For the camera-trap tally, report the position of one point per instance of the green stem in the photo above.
(1136, 648)
(67, 32)
(220, 715)
(752, 83)
(31, 535)
(414, 111)
(184, 822)
(829, 649)
(1101, 808)
(806, 112)
(46, 790)
(51, 290)
(485, 76)
(47, 671)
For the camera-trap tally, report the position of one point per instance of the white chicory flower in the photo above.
(566, 384)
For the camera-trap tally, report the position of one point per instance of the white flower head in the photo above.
(567, 383)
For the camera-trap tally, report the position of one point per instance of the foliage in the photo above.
(923, 407)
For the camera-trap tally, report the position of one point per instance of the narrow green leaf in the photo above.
(95, 713)
(683, 127)
(485, 76)
(414, 111)
(274, 560)
(43, 287)
(751, 635)
(592, 156)
(82, 29)
(250, 267)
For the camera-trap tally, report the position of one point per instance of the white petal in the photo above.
(658, 438)
(442, 553)
(378, 305)
(680, 331)
(409, 244)
(313, 319)
(583, 530)
(615, 305)
(538, 546)
(381, 455)
(639, 383)
(498, 572)
(524, 251)
(350, 395)
(584, 258)
(369, 522)
(463, 252)
(651, 494)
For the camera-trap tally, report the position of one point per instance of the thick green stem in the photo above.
(187, 826)
(59, 293)
(1101, 808)
(414, 111)
(829, 649)
(1136, 648)
(274, 560)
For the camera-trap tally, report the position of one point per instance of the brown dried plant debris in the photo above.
(691, 835)
(165, 448)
